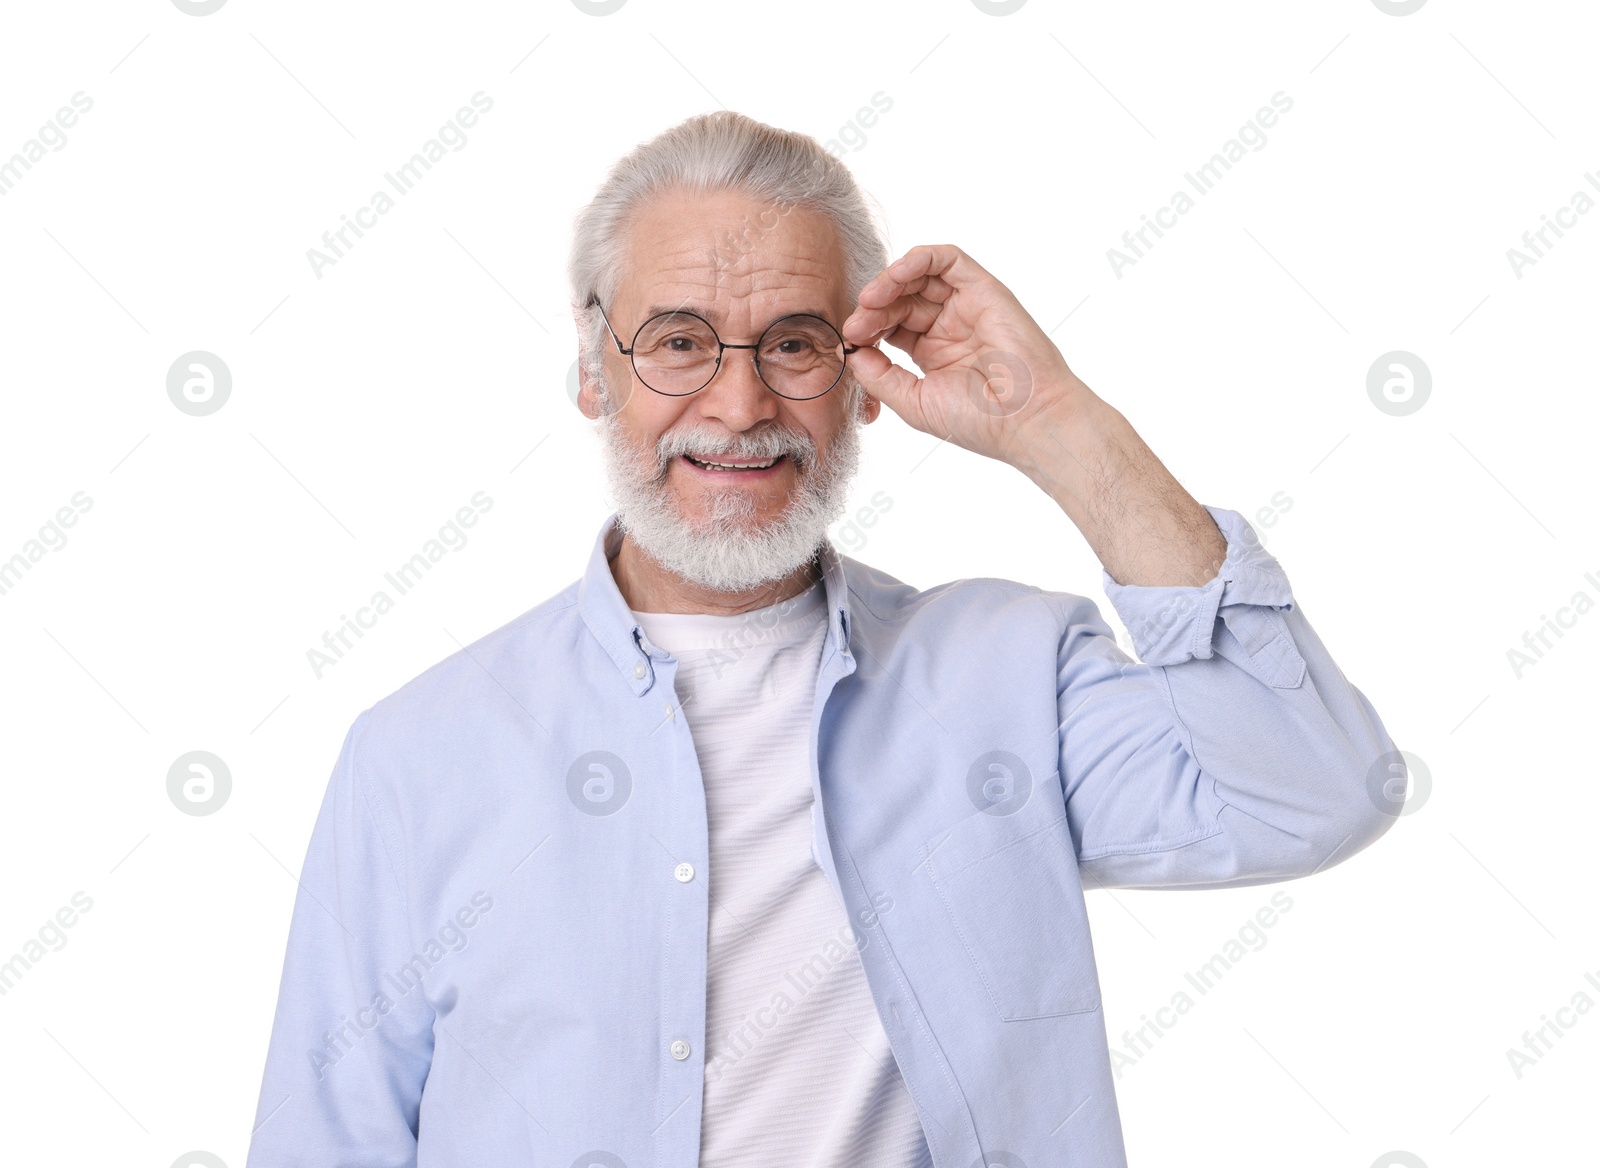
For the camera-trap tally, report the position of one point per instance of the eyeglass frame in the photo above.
(722, 347)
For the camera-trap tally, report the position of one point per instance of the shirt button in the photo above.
(680, 1049)
(638, 668)
(684, 873)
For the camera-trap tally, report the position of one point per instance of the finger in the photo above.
(903, 339)
(868, 323)
(935, 289)
(882, 291)
(944, 260)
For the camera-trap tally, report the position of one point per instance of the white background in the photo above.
(372, 402)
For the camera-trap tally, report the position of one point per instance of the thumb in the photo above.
(891, 384)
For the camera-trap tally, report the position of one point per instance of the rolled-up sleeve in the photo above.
(1234, 751)
(349, 1054)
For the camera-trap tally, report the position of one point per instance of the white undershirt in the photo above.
(798, 1070)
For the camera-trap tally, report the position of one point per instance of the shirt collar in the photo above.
(603, 609)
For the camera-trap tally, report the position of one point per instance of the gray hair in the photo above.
(722, 150)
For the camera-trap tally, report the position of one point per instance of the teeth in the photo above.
(731, 466)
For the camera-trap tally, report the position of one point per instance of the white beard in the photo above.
(729, 550)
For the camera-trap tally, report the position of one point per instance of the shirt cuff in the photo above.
(1175, 623)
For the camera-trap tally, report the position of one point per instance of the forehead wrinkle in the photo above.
(689, 268)
(804, 278)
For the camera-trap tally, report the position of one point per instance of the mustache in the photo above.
(771, 442)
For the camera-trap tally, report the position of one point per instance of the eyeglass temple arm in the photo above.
(614, 339)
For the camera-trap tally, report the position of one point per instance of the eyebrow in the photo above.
(658, 309)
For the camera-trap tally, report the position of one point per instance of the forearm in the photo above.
(1145, 528)
(1236, 752)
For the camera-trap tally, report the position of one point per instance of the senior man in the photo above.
(738, 852)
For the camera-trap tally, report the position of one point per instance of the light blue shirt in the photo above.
(498, 952)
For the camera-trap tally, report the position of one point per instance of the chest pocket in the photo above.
(1011, 888)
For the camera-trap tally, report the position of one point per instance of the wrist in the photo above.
(1071, 434)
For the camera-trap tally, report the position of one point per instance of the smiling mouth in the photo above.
(731, 466)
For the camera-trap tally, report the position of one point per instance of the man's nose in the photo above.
(736, 396)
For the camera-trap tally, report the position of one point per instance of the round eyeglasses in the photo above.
(798, 357)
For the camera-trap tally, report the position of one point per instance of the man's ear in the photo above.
(590, 392)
